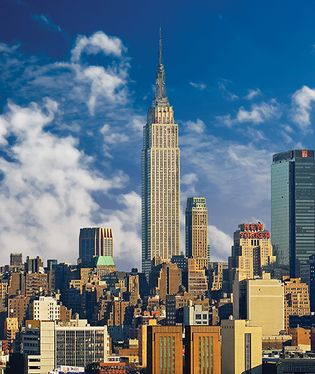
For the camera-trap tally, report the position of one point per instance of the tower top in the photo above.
(160, 89)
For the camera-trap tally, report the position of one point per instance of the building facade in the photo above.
(241, 347)
(164, 350)
(160, 179)
(95, 242)
(202, 350)
(196, 227)
(251, 251)
(293, 210)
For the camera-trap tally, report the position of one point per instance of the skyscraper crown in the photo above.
(160, 89)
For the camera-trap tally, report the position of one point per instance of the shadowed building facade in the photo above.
(196, 226)
(160, 179)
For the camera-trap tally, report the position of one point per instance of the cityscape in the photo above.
(155, 287)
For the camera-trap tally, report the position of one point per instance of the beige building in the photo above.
(196, 226)
(251, 251)
(197, 281)
(296, 299)
(261, 302)
(217, 273)
(160, 178)
(241, 347)
(46, 308)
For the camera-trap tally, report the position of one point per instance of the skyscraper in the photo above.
(160, 178)
(95, 241)
(293, 210)
(197, 230)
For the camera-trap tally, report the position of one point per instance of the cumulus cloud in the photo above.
(257, 114)
(199, 86)
(47, 186)
(302, 101)
(197, 126)
(112, 138)
(220, 244)
(98, 42)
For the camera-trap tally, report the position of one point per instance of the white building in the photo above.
(195, 315)
(46, 308)
(52, 345)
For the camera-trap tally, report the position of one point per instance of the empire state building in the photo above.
(160, 178)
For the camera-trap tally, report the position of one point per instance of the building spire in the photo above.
(160, 89)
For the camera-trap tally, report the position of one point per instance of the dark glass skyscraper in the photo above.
(293, 210)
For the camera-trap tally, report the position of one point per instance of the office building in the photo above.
(312, 282)
(296, 299)
(293, 210)
(164, 349)
(49, 345)
(202, 350)
(195, 279)
(252, 298)
(251, 251)
(160, 178)
(196, 227)
(95, 242)
(241, 347)
(34, 265)
(165, 279)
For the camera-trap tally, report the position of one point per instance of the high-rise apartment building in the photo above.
(46, 308)
(251, 251)
(95, 242)
(202, 350)
(241, 347)
(160, 178)
(195, 279)
(196, 226)
(164, 349)
(293, 210)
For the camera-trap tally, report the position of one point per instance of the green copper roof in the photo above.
(104, 261)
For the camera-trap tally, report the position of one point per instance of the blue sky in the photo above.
(76, 81)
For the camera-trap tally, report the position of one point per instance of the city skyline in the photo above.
(83, 124)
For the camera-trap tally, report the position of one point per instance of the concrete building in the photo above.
(95, 242)
(52, 345)
(11, 327)
(251, 251)
(296, 299)
(217, 271)
(195, 315)
(196, 227)
(202, 350)
(16, 260)
(293, 210)
(46, 308)
(252, 297)
(165, 279)
(164, 349)
(196, 280)
(241, 347)
(160, 178)
(34, 265)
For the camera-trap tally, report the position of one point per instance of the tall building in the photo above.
(293, 210)
(196, 226)
(195, 279)
(312, 282)
(164, 349)
(160, 178)
(241, 347)
(165, 279)
(251, 251)
(46, 308)
(251, 297)
(202, 350)
(95, 242)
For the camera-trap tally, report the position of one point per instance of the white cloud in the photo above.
(258, 113)
(302, 101)
(112, 138)
(47, 187)
(197, 126)
(227, 94)
(252, 93)
(220, 244)
(98, 42)
(41, 18)
(199, 86)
